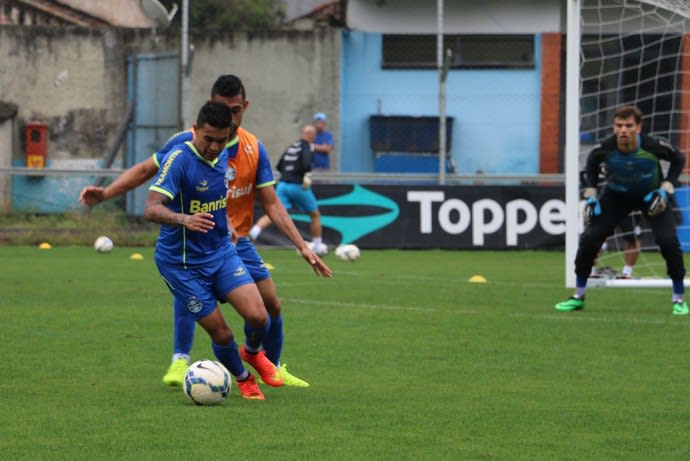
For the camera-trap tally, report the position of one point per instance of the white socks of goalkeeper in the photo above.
(627, 270)
(580, 292)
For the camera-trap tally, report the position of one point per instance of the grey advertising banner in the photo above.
(461, 217)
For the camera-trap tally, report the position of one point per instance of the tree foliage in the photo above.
(231, 14)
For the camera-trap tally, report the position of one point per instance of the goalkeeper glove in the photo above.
(306, 181)
(592, 209)
(592, 205)
(658, 199)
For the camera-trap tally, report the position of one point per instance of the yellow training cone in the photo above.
(136, 257)
(269, 266)
(477, 279)
(44, 246)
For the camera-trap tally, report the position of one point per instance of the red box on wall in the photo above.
(36, 144)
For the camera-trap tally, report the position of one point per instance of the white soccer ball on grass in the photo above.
(207, 382)
(347, 252)
(103, 244)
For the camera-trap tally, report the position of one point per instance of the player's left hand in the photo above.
(592, 209)
(199, 222)
(658, 200)
(92, 195)
(319, 267)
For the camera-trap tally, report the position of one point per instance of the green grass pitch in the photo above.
(406, 360)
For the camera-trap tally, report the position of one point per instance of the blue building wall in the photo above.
(52, 193)
(496, 112)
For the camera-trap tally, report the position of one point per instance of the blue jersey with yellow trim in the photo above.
(264, 172)
(175, 140)
(194, 185)
(249, 172)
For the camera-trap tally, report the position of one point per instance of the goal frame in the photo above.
(572, 138)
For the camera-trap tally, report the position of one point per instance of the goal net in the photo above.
(630, 52)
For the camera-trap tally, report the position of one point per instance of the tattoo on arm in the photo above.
(157, 211)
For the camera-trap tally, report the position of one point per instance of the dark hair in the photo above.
(215, 114)
(629, 111)
(228, 86)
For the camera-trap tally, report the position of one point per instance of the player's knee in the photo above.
(589, 247)
(222, 336)
(630, 241)
(257, 317)
(273, 305)
(592, 239)
(315, 213)
(669, 247)
(667, 241)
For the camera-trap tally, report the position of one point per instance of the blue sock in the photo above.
(580, 287)
(678, 289)
(183, 331)
(254, 336)
(273, 342)
(230, 358)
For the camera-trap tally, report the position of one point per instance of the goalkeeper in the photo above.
(636, 182)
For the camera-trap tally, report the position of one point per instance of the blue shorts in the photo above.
(293, 196)
(252, 260)
(199, 288)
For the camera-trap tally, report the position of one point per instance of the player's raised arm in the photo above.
(130, 179)
(135, 176)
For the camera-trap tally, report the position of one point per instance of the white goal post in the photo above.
(622, 52)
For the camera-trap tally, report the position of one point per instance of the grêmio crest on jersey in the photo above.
(230, 175)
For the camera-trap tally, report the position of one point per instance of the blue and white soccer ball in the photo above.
(347, 252)
(207, 382)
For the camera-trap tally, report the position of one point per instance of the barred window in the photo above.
(469, 51)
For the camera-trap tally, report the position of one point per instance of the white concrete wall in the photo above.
(288, 78)
(71, 78)
(75, 80)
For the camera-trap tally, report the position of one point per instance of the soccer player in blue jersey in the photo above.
(635, 182)
(253, 178)
(194, 255)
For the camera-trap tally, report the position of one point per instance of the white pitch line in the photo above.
(568, 317)
(461, 279)
(577, 317)
(386, 307)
